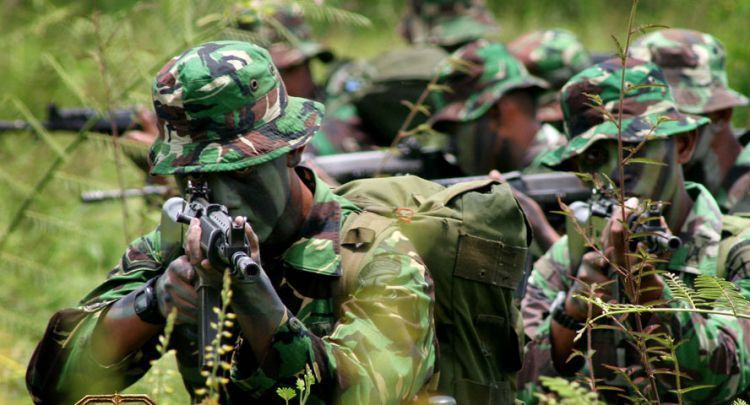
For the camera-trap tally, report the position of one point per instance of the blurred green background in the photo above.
(104, 54)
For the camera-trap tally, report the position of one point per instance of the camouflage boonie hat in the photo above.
(291, 43)
(481, 73)
(446, 22)
(554, 55)
(222, 106)
(585, 124)
(695, 67)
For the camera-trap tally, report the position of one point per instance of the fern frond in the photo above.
(681, 292)
(76, 184)
(569, 392)
(721, 294)
(48, 223)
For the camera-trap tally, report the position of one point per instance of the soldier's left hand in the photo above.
(616, 249)
(197, 256)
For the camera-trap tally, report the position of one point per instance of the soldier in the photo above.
(713, 350)
(694, 65)
(226, 121)
(449, 24)
(356, 118)
(554, 55)
(489, 115)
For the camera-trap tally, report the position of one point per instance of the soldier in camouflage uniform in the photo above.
(431, 27)
(694, 65)
(226, 120)
(489, 119)
(714, 349)
(449, 24)
(554, 55)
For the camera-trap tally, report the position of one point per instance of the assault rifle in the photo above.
(75, 119)
(223, 243)
(592, 216)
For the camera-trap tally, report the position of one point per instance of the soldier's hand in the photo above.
(593, 270)
(251, 237)
(176, 289)
(149, 132)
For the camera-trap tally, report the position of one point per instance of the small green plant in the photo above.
(157, 382)
(303, 385)
(217, 364)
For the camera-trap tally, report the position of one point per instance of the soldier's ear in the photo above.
(294, 157)
(686, 142)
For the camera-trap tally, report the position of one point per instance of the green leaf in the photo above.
(721, 294)
(286, 393)
(620, 50)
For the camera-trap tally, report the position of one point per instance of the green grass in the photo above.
(63, 248)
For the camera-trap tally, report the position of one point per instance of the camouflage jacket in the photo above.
(714, 349)
(373, 343)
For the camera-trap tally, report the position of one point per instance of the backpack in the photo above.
(473, 238)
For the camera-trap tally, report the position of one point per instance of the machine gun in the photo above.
(223, 242)
(75, 119)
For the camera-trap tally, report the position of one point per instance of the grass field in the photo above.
(75, 54)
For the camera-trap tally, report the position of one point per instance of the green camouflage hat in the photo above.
(480, 74)
(694, 65)
(553, 55)
(643, 106)
(222, 106)
(286, 35)
(446, 22)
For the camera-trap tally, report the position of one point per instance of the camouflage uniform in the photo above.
(714, 349)
(446, 23)
(554, 55)
(694, 66)
(490, 72)
(222, 106)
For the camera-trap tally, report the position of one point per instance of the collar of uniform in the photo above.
(700, 234)
(317, 249)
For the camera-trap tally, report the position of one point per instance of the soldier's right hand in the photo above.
(176, 288)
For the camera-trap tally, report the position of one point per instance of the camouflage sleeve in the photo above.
(548, 277)
(62, 368)
(381, 349)
(714, 349)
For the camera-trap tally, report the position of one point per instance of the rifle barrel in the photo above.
(104, 195)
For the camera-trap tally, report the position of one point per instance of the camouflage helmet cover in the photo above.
(694, 64)
(285, 33)
(222, 106)
(648, 102)
(553, 55)
(446, 22)
(478, 75)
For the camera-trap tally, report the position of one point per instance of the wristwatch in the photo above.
(146, 305)
(560, 316)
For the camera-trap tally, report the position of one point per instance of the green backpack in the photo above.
(474, 238)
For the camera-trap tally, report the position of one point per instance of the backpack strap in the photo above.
(732, 243)
(360, 232)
